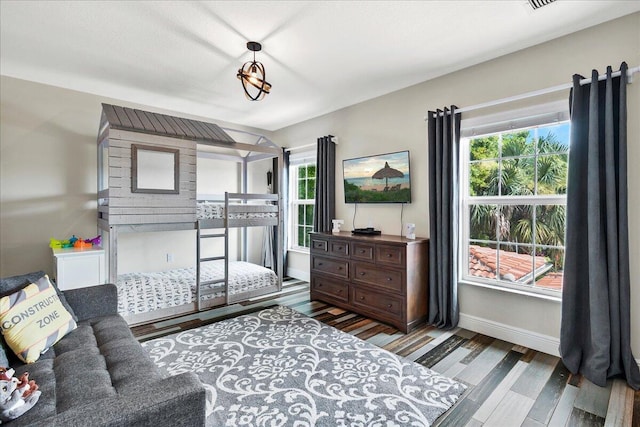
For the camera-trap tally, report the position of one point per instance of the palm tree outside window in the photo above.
(513, 207)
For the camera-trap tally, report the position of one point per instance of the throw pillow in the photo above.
(9, 285)
(33, 319)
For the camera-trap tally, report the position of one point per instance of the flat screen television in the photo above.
(382, 178)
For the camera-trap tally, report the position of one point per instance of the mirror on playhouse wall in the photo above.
(155, 170)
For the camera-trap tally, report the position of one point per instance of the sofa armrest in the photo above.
(173, 401)
(93, 301)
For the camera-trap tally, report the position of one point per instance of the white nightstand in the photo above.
(78, 268)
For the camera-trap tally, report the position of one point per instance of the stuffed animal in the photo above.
(17, 395)
(28, 387)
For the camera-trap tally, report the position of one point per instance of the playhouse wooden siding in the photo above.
(117, 205)
(120, 127)
(125, 207)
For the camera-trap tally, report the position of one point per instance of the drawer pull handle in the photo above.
(389, 255)
(362, 298)
(389, 305)
(319, 263)
(339, 248)
(339, 291)
(340, 268)
(389, 279)
(319, 285)
(362, 251)
(362, 273)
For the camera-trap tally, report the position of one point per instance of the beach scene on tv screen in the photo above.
(380, 178)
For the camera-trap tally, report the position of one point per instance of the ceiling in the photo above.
(319, 55)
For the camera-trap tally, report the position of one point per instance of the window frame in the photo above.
(295, 162)
(503, 123)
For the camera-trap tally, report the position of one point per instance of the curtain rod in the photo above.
(335, 141)
(630, 73)
(300, 147)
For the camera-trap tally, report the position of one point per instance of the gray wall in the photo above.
(48, 174)
(396, 122)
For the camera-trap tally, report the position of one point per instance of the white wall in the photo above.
(396, 122)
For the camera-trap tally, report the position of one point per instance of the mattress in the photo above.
(210, 210)
(144, 292)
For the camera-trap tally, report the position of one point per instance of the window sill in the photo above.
(299, 250)
(513, 291)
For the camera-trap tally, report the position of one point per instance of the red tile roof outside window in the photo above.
(514, 267)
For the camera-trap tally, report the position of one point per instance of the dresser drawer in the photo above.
(336, 267)
(390, 255)
(339, 248)
(330, 288)
(386, 305)
(319, 245)
(377, 276)
(362, 251)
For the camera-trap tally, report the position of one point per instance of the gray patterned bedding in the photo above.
(144, 292)
(211, 210)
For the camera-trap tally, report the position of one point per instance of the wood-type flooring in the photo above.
(508, 385)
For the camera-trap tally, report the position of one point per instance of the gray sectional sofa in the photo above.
(99, 375)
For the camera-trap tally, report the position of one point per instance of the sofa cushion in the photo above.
(4, 359)
(32, 319)
(100, 359)
(82, 387)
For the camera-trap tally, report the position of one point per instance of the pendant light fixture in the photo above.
(252, 76)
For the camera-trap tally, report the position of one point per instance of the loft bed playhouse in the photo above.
(147, 182)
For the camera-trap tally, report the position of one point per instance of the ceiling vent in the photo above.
(537, 4)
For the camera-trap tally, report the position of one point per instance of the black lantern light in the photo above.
(252, 76)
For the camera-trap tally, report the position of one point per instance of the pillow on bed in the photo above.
(33, 319)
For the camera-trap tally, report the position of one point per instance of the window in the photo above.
(513, 203)
(302, 185)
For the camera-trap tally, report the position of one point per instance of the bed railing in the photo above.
(238, 212)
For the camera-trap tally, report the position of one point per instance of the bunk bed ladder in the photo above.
(201, 259)
(226, 248)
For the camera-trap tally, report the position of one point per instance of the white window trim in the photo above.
(296, 160)
(512, 120)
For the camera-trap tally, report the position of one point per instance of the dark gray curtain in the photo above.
(269, 247)
(595, 330)
(444, 142)
(277, 177)
(325, 208)
(285, 208)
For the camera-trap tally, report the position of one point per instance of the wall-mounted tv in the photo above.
(383, 178)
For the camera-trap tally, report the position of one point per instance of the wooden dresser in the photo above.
(383, 277)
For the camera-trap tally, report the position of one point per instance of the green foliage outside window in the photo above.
(519, 164)
(306, 182)
(306, 188)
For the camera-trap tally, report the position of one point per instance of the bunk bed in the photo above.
(129, 201)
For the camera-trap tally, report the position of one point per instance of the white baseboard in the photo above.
(298, 274)
(540, 342)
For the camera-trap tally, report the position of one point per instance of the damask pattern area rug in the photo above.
(278, 367)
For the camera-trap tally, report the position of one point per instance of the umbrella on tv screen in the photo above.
(382, 178)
